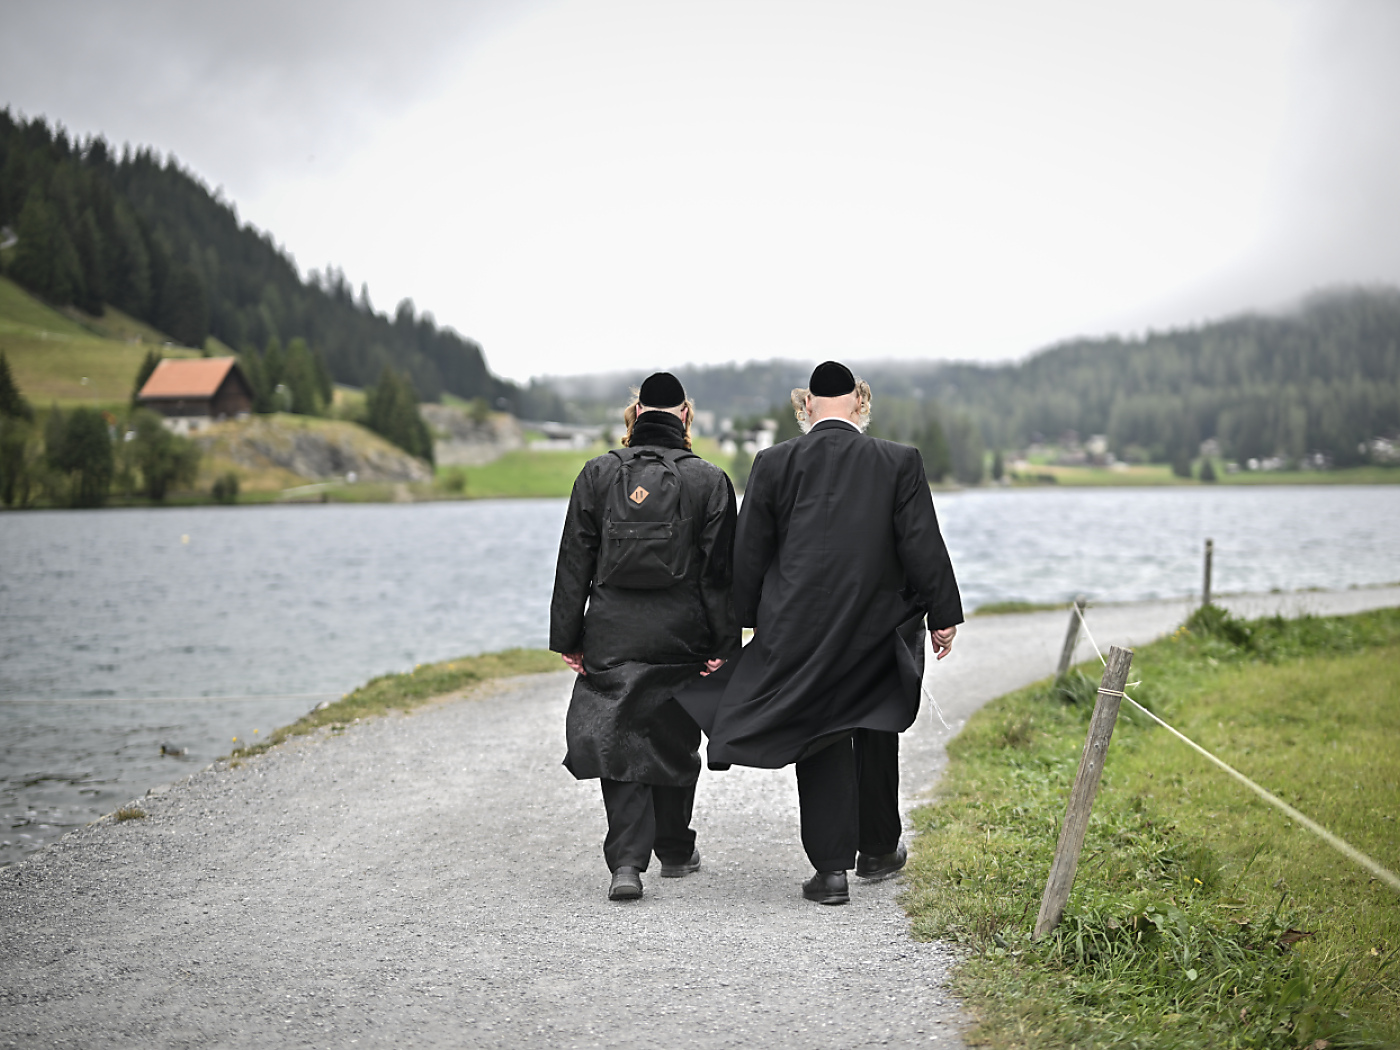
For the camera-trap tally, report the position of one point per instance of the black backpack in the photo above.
(646, 541)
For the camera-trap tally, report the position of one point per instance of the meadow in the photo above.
(1200, 915)
(51, 353)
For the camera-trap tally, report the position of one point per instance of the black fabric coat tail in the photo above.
(640, 647)
(838, 561)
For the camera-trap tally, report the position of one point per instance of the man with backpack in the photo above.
(642, 606)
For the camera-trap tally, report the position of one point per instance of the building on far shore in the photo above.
(192, 393)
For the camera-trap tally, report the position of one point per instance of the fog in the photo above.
(612, 184)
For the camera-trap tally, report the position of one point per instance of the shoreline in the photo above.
(428, 492)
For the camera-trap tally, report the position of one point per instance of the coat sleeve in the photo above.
(573, 573)
(919, 543)
(717, 578)
(755, 543)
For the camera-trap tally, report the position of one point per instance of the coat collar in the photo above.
(833, 424)
(658, 429)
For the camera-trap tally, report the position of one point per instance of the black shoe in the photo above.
(626, 885)
(881, 866)
(827, 887)
(684, 868)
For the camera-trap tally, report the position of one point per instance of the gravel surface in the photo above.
(437, 880)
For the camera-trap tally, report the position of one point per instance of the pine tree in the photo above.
(391, 410)
(12, 402)
(148, 366)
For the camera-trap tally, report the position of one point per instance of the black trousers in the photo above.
(849, 796)
(647, 817)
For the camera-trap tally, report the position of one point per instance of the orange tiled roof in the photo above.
(196, 377)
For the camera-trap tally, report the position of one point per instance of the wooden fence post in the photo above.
(1081, 796)
(1071, 636)
(1205, 589)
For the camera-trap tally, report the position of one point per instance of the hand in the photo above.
(711, 666)
(575, 662)
(942, 640)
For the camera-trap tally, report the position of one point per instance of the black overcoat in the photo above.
(641, 646)
(837, 562)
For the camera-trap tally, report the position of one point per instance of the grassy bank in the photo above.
(1200, 916)
(1156, 475)
(403, 692)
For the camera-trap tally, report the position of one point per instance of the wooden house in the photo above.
(192, 393)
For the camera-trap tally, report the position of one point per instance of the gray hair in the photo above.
(799, 404)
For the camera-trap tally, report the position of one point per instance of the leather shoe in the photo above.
(626, 885)
(679, 871)
(827, 887)
(881, 866)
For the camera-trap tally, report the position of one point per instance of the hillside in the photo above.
(271, 453)
(51, 353)
(1324, 378)
(143, 236)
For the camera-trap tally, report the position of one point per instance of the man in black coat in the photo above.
(838, 561)
(634, 643)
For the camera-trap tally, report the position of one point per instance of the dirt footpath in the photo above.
(437, 880)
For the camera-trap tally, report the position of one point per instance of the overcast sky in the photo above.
(584, 185)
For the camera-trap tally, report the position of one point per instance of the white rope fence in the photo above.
(1345, 848)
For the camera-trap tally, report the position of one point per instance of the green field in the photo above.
(538, 472)
(1160, 474)
(51, 353)
(1200, 916)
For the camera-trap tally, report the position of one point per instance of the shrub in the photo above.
(165, 459)
(225, 488)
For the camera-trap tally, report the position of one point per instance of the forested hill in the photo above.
(150, 238)
(1324, 377)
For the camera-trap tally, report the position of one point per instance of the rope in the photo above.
(1340, 845)
(928, 644)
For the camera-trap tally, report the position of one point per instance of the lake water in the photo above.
(124, 630)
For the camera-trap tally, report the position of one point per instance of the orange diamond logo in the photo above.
(638, 494)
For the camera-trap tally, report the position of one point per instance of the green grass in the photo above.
(403, 692)
(1177, 932)
(50, 353)
(1003, 608)
(539, 472)
(1160, 474)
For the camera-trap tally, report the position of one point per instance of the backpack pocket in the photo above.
(644, 555)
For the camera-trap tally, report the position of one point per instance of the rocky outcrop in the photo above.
(315, 449)
(462, 438)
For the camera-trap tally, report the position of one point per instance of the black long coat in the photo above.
(837, 562)
(640, 647)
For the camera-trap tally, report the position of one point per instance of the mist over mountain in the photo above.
(1324, 377)
(148, 237)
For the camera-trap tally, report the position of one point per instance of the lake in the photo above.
(122, 630)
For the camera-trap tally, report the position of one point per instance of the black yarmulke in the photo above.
(662, 390)
(831, 379)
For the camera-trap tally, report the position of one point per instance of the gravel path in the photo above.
(437, 880)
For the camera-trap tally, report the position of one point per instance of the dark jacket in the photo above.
(838, 560)
(641, 646)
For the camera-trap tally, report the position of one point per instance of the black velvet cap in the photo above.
(831, 379)
(662, 390)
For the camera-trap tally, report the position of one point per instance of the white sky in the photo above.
(587, 185)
